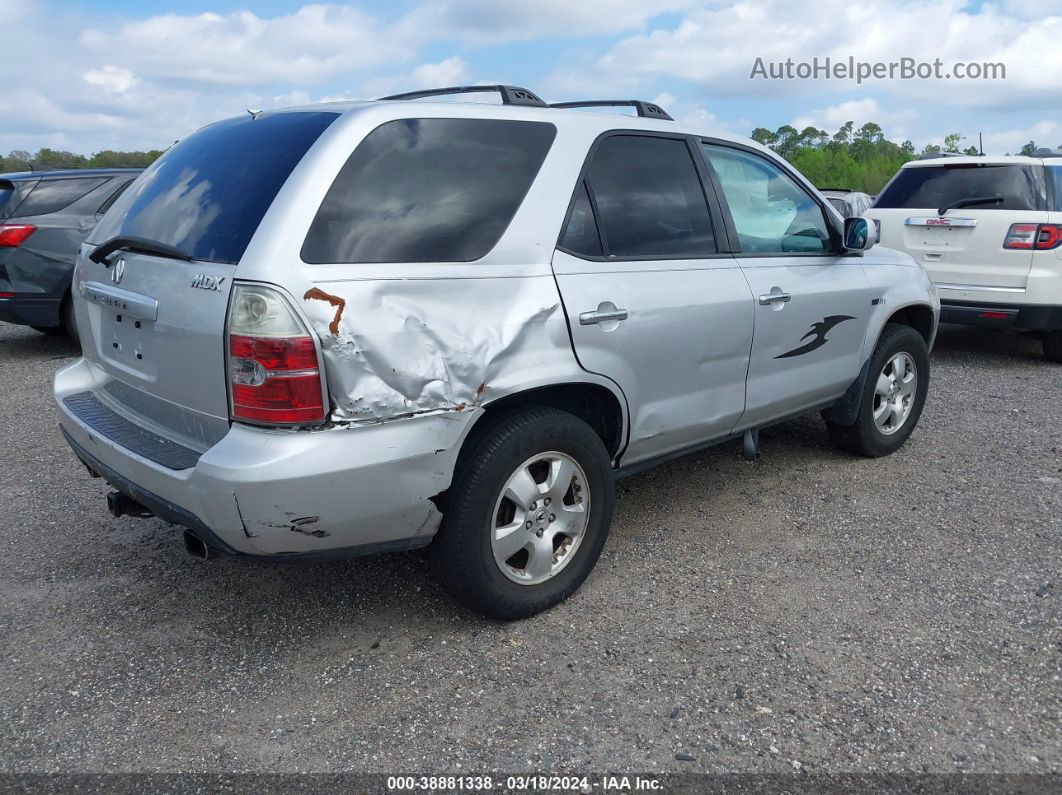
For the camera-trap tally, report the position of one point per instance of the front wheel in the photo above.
(527, 515)
(893, 397)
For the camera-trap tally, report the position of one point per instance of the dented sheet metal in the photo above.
(397, 347)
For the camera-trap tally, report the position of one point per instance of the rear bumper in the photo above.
(31, 310)
(288, 494)
(1002, 315)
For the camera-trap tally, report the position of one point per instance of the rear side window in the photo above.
(1055, 175)
(121, 186)
(7, 190)
(207, 195)
(51, 196)
(933, 187)
(428, 190)
(581, 235)
(649, 198)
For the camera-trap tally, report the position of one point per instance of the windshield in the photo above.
(930, 187)
(207, 195)
(7, 190)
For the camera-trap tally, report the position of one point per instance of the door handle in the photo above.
(774, 298)
(593, 318)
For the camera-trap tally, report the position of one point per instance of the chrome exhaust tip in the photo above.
(196, 546)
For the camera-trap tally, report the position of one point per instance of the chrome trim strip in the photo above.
(939, 222)
(133, 304)
(979, 288)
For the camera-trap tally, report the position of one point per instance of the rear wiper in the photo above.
(970, 203)
(140, 245)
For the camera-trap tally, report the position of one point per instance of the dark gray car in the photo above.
(44, 217)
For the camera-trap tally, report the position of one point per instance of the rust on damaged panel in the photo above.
(317, 294)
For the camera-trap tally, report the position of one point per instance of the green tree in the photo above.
(952, 141)
(1029, 149)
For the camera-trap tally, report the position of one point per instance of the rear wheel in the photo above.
(1053, 346)
(893, 397)
(51, 331)
(527, 515)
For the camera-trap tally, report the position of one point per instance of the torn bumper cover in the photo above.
(328, 493)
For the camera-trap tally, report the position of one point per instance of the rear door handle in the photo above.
(593, 318)
(774, 298)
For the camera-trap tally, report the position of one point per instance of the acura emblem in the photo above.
(118, 271)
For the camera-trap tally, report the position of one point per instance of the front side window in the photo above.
(1017, 187)
(428, 190)
(771, 212)
(650, 198)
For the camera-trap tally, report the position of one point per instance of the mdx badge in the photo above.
(203, 282)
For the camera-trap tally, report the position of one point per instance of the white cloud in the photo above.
(897, 125)
(314, 43)
(113, 79)
(1047, 134)
(495, 21)
(452, 71)
(716, 47)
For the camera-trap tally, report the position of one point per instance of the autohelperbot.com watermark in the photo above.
(850, 68)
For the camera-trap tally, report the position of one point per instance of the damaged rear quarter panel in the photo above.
(398, 347)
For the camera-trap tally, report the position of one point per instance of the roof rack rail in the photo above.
(934, 156)
(645, 109)
(510, 95)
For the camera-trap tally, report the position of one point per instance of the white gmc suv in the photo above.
(989, 231)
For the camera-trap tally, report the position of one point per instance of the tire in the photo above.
(69, 323)
(539, 442)
(1053, 346)
(51, 331)
(868, 436)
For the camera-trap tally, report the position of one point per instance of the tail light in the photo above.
(1029, 237)
(274, 377)
(14, 235)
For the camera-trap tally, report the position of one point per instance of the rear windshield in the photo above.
(932, 187)
(207, 195)
(7, 190)
(428, 190)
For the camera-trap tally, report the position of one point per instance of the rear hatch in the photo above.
(964, 245)
(152, 315)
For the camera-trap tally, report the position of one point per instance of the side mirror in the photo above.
(858, 235)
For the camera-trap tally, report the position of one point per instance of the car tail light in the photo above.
(14, 235)
(274, 376)
(1040, 237)
(7, 295)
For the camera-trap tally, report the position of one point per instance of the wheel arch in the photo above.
(598, 405)
(595, 404)
(920, 317)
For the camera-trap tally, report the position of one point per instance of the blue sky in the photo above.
(121, 74)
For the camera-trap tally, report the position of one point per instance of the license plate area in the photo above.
(938, 233)
(127, 342)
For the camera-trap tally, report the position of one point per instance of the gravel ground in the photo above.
(811, 611)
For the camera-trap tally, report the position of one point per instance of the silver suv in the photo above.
(372, 326)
